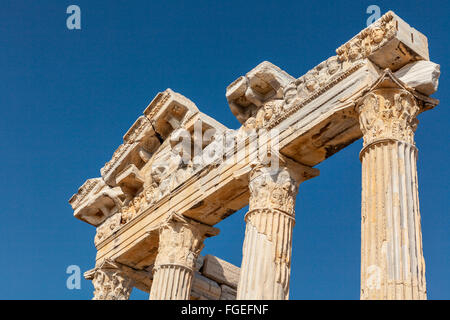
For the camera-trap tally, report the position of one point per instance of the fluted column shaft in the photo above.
(392, 263)
(172, 282)
(180, 242)
(266, 261)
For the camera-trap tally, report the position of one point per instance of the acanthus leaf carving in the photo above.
(110, 282)
(181, 240)
(274, 189)
(388, 113)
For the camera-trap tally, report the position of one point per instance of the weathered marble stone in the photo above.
(220, 271)
(392, 262)
(157, 199)
(227, 293)
(199, 263)
(421, 75)
(205, 289)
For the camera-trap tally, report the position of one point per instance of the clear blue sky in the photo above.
(67, 98)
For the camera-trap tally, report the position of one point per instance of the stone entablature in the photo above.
(266, 95)
(143, 170)
(302, 122)
(96, 201)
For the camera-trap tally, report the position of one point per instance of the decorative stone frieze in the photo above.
(385, 42)
(389, 42)
(108, 227)
(369, 40)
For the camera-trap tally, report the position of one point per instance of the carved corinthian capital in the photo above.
(110, 282)
(388, 113)
(272, 189)
(181, 240)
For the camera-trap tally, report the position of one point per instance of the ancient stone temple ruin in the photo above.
(179, 172)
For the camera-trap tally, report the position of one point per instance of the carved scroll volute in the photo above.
(181, 240)
(388, 114)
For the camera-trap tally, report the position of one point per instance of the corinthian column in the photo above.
(392, 263)
(266, 260)
(180, 242)
(110, 282)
